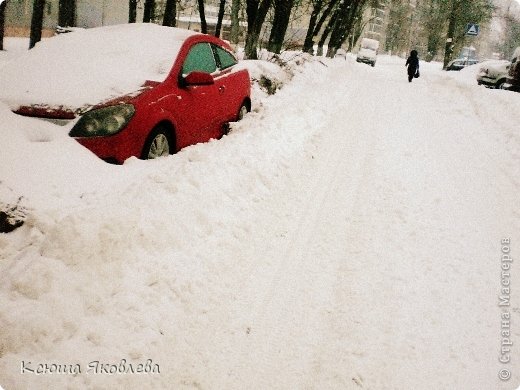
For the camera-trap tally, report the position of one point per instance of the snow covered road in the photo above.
(346, 235)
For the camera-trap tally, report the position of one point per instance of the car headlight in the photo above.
(103, 121)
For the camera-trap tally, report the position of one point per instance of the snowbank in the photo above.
(342, 235)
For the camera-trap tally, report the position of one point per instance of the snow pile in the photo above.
(91, 254)
(341, 236)
(13, 47)
(266, 77)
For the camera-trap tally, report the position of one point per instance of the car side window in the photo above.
(200, 58)
(225, 58)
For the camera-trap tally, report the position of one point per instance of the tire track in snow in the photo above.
(289, 319)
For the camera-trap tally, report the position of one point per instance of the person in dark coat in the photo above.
(413, 65)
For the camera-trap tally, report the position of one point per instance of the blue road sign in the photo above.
(472, 29)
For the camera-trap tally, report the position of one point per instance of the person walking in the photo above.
(413, 65)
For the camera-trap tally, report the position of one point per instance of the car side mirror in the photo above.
(198, 78)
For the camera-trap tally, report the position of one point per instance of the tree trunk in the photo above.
(282, 13)
(235, 21)
(36, 22)
(325, 34)
(448, 49)
(356, 33)
(221, 10)
(149, 11)
(132, 11)
(309, 43)
(251, 45)
(256, 12)
(2, 24)
(324, 16)
(203, 24)
(170, 13)
(67, 13)
(344, 24)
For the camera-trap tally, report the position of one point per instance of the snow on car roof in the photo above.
(86, 67)
(369, 43)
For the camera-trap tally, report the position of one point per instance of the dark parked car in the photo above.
(461, 63)
(132, 90)
(513, 77)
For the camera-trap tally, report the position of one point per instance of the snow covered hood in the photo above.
(83, 68)
(495, 66)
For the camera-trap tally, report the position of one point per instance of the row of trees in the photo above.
(508, 19)
(436, 27)
(332, 21)
(335, 20)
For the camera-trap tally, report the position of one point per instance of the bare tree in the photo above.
(67, 13)
(256, 12)
(461, 13)
(132, 11)
(235, 21)
(221, 10)
(149, 11)
(511, 36)
(282, 14)
(2, 24)
(36, 22)
(170, 13)
(321, 10)
(203, 23)
(344, 21)
(399, 27)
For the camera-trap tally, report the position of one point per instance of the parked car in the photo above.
(513, 77)
(493, 73)
(368, 51)
(131, 90)
(461, 63)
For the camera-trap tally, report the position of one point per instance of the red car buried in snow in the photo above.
(131, 90)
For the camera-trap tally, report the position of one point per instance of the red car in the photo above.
(120, 100)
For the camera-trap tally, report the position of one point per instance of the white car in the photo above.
(368, 51)
(493, 73)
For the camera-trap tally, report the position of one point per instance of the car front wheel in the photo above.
(157, 144)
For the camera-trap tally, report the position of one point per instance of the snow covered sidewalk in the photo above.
(345, 235)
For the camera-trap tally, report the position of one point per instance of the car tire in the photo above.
(501, 84)
(158, 144)
(242, 112)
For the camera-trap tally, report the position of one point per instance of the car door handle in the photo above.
(221, 89)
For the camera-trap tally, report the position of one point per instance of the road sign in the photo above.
(472, 29)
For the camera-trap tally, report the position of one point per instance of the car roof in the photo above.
(86, 67)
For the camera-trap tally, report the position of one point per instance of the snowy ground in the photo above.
(345, 235)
